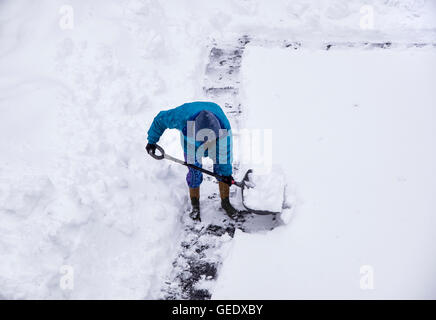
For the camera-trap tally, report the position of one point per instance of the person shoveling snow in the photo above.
(206, 132)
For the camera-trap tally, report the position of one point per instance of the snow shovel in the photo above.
(244, 184)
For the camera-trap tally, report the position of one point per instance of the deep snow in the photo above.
(354, 131)
(76, 187)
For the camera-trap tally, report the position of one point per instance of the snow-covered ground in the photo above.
(76, 188)
(355, 131)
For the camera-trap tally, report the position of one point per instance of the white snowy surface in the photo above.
(265, 191)
(355, 132)
(77, 189)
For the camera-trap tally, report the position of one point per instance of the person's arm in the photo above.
(164, 120)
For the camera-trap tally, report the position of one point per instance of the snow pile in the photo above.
(265, 192)
(76, 187)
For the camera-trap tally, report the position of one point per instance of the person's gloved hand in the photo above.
(151, 148)
(228, 180)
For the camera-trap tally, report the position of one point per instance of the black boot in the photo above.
(225, 202)
(228, 208)
(195, 213)
(194, 194)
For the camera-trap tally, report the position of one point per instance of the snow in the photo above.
(77, 189)
(354, 131)
(265, 191)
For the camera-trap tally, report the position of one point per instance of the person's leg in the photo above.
(225, 189)
(194, 179)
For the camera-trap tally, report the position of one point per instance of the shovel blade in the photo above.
(263, 194)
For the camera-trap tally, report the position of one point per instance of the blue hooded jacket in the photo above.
(177, 118)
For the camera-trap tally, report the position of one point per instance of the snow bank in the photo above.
(76, 187)
(354, 131)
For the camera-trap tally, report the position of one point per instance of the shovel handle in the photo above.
(157, 156)
(162, 155)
